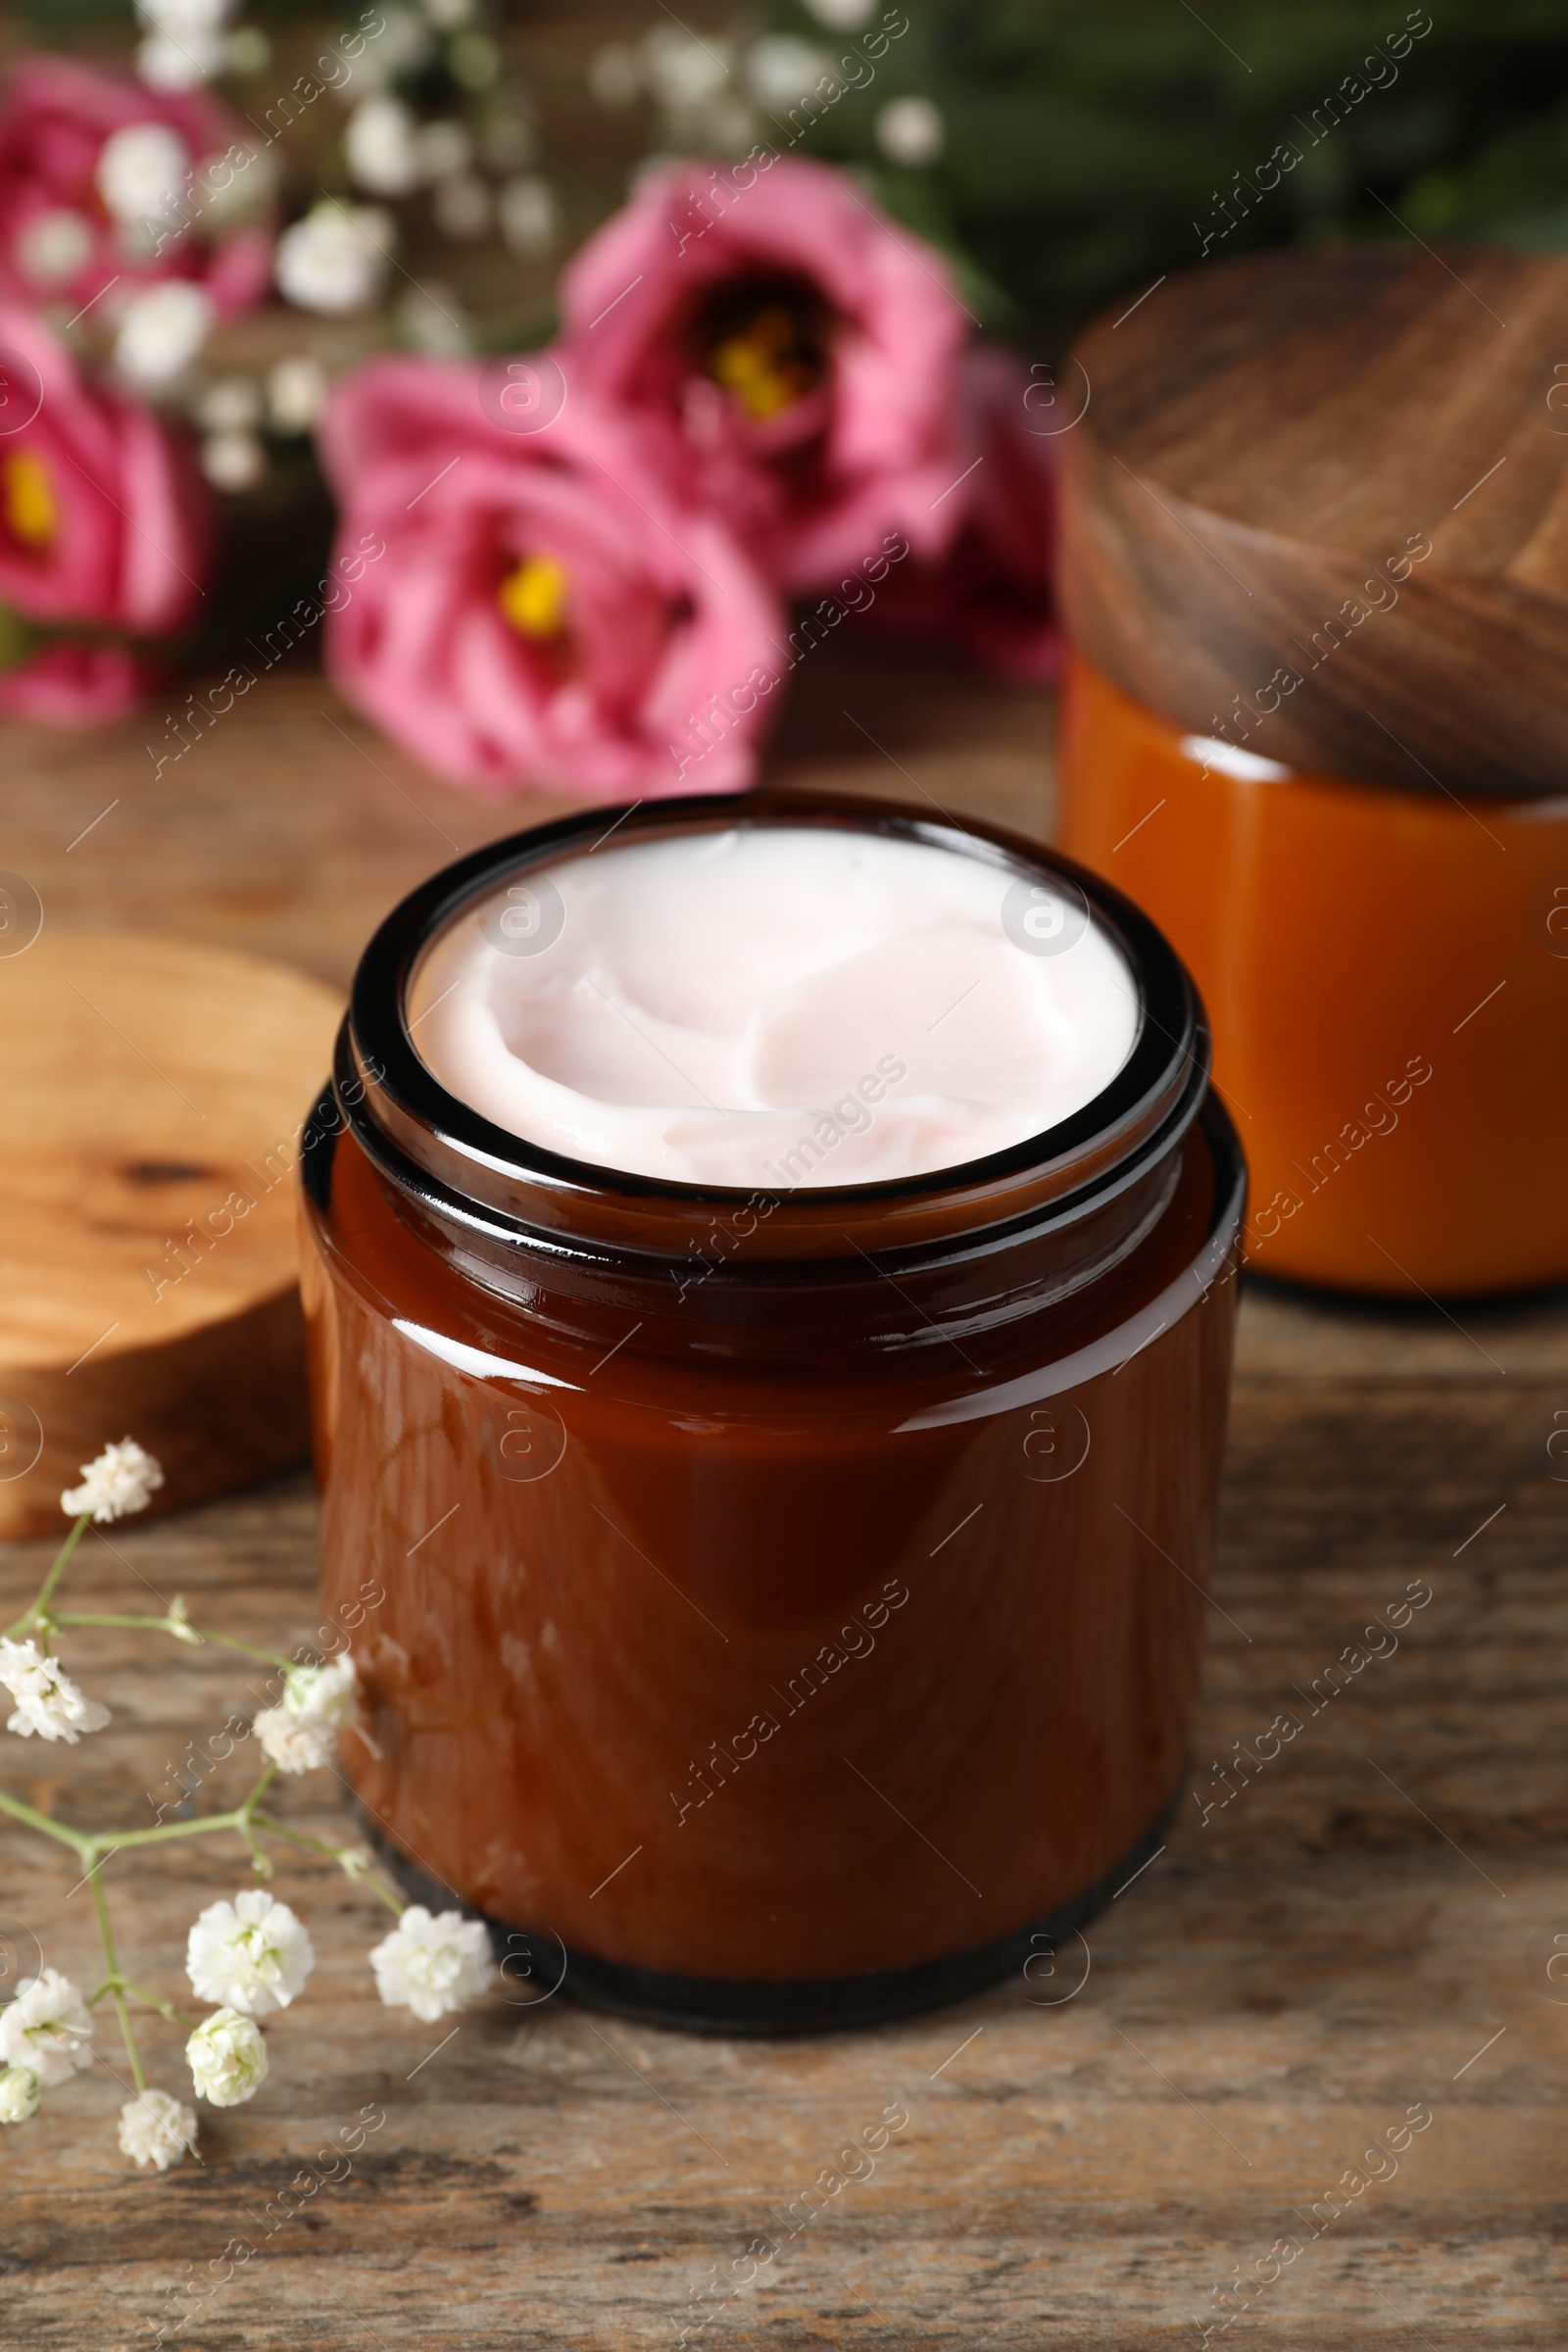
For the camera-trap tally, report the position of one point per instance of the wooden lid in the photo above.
(1348, 468)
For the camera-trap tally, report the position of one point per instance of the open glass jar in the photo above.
(792, 1600)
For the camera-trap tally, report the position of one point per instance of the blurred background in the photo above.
(1060, 152)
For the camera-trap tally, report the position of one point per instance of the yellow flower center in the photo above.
(28, 498)
(764, 368)
(533, 598)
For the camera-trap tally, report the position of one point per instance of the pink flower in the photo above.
(102, 516)
(543, 610)
(73, 684)
(87, 161)
(990, 593)
(795, 349)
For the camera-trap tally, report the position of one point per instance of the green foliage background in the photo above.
(1087, 141)
(1086, 137)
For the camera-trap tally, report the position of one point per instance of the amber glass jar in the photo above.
(793, 1601)
(1386, 973)
(1316, 723)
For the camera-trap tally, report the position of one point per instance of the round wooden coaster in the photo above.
(154, 1092)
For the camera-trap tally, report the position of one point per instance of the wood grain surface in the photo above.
(1318, 500)
(154, 1091)
(1344, 1940)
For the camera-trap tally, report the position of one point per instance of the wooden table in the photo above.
(1347, 1938)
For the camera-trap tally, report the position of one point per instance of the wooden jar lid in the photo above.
(1345, 467)
(154, 1092)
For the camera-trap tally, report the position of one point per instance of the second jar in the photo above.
(1315, 722)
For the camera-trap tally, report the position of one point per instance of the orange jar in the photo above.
(1386, 975)
(1316, 723)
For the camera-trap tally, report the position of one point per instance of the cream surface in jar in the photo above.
(783, 1005)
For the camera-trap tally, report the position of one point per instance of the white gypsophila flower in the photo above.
(161, 331)
(188, 18)
(462, 206)
(401, 46)
(165, 64)
(475, 60)
(730, 125)
(234, 460)
(432, 1965)
(139, 168)
(47, 2029)
(300, 1734)
(155, 2128)
(124, 1478)
(295, 392)
(247, 51)
(251, 1954)
(403, 43)
(243, 197)
(431, 318)
(508, 143)
(233, 404)
(841, 16)
(380, 145)
(21, 2095)
(48, 1702)
(228, 2058)
(442, 148)
(780, 70)
(614, 77)
(911, 130)
(187, 41)
(336, 260)
(682, 72)
(53, 246)
(529, 216)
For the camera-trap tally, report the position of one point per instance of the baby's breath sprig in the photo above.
(251, 1954)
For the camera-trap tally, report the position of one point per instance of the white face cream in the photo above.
(774, 1005)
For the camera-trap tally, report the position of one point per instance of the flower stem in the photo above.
(91, 1847)
(168, 1829)
(97, 1617)
(182, 1629)
(258, 1862)
(82, 1847)
(342, 1855)
(100, 1904)
(122, 2012)
(139, 1993)
(31, 1616)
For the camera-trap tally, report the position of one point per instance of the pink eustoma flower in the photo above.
(60, 240)
(544, 612)
(71, 683)
(794, 350)
(992, 593)
(103, 516)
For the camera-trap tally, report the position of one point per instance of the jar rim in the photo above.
(402, 1104)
